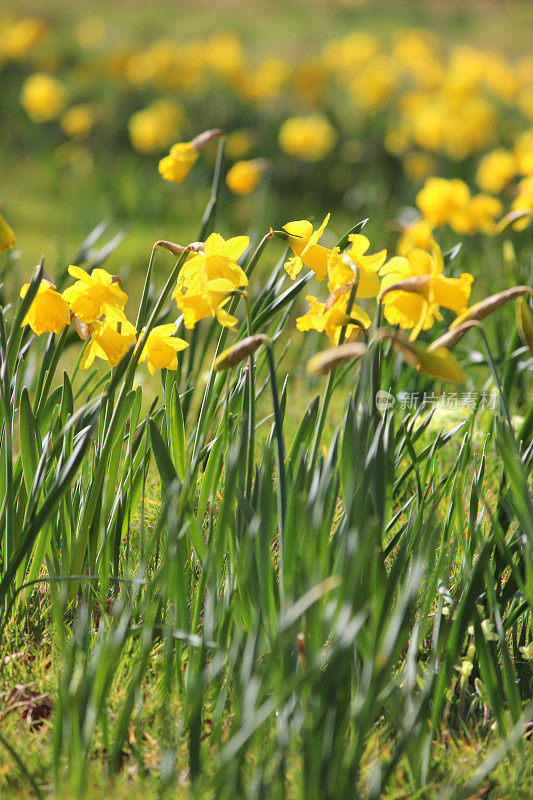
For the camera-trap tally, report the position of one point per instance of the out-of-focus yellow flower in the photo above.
(523, 201)
(265, 82)
(417, 235)
(332, 320)
(90, 32)
(482, 211)
(207, 279)
(418, 166)
(429, 290)
(111, 339)
(78, 121)
(239, 143)
(224, 54)
(162, 347)
(94, 294)
(154, 127)
(496, 170)
(244, 176)
(310, 138)
(354, 268)
(303, 241)
(48, 313)
(19, 37)
(7, 236)
(43, 97)
(442, 201)
(373, 85)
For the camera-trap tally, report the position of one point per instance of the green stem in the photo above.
(280, 457)
(58, 351)
(251, 407)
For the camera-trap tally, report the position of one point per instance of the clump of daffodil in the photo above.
(43, 97)
(183, 156)
(303, 241)
(309, 138)
(351, 274)
(161, 348)
(244, 176)
(414, 288)
(111, 338)
(94, 294)
(7, 236)
(48, 312)
(207, 280)
(449, 202)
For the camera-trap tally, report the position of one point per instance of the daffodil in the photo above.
(244, 176)
(48, 312)
(303, 241)
(354, 268)
(176, 166)
(162, 347)
(208, 278)
(183, 156)
(111, 339)
(94, 294)
(331, 320)
(413, 289)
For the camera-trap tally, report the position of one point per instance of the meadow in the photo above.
(266, 417)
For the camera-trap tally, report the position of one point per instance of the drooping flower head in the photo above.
(207, 279)
(332, 318)
(48, 312)
(303, 241)
(111, 338)
(413, 289)
(94, 294)
(183, 156)
(353, 268)
(162, 347)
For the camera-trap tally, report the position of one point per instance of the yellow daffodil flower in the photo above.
(94, 294)
(426, 290)
(48, 313)
(353, 267)
(176, 166)
(244, 176)
(110, 340)
(303, 241)
(332, 320)
(161, 348)
(207, 279)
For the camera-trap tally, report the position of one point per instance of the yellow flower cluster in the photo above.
(411, 286)
(96, 304)
(449, 202)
